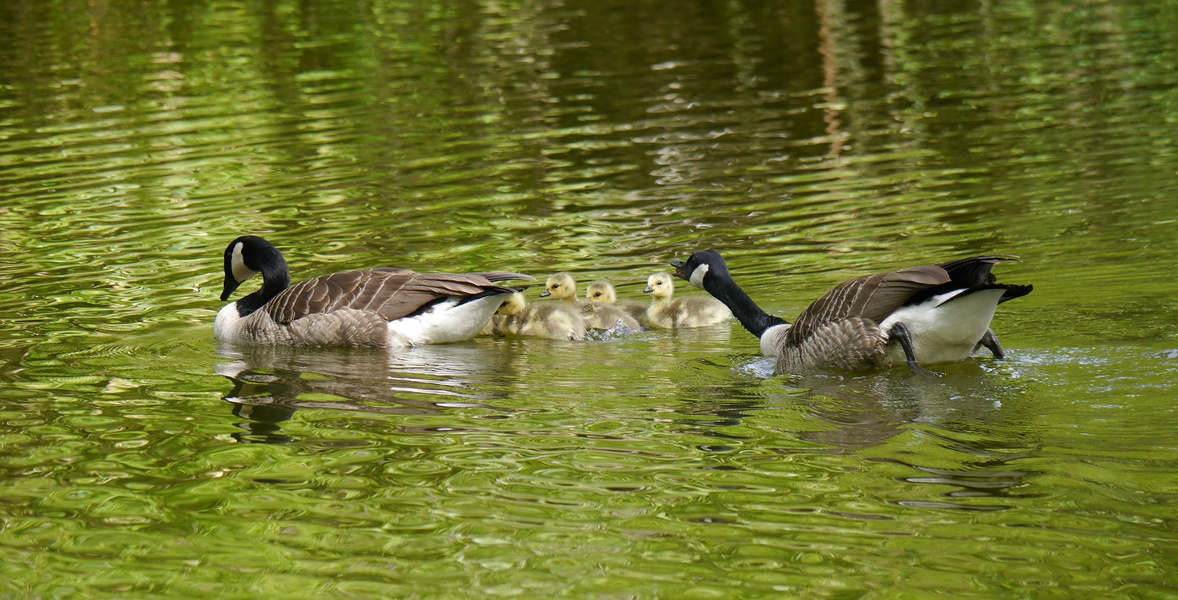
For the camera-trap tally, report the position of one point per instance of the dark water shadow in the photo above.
(270, 384)
(967, 429)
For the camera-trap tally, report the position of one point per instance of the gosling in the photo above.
(603, 292)
(562, 286)
(680, 313)
(552, 320)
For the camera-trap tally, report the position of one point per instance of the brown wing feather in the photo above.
(871, 297)
(391, 293)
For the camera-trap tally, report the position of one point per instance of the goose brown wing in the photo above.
(498, 276)
(972, 274)
(391, 293)
(872, 297)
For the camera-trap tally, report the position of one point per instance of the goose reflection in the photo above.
(961, 437)
(271, 383)
(963, 433)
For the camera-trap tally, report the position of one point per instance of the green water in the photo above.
(810, 142)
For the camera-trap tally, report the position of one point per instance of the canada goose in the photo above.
(603, 292)
(562, 286)
(553, 320)
(925, 314)
(372, 307)
(692, 311)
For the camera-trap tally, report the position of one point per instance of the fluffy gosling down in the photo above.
(384, 306)
(925, 314)
(680, 313)
(552, 320)
(603, 292)
(562, 286)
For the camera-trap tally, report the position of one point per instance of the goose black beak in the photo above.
(648, 290)
(678, 264)
(230, 285)
(545, 294)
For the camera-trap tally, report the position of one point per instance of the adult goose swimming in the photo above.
(384, 306)
(922, 315)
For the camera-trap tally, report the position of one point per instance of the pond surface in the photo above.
(810, 142)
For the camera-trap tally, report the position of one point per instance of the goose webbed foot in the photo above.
(900, 333)
(990, 341)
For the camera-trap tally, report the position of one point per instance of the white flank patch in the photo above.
(227, 326)
(240, 271)
(697, 276)
(944, 330)
(446, 321)
(772, 338)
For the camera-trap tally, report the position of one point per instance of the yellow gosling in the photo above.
(603, 292)
(562, 286)
(552, 320)
(680, 313)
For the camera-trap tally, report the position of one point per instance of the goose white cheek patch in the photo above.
(240, 271)
(697, 276)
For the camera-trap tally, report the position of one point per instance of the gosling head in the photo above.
(247, 256)
(513, 305)
(561, 286)
(701, 266)
(601, 291)
(660, 285)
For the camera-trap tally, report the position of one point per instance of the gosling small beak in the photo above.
(545, 294)
(648, 290)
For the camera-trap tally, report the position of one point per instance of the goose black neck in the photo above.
(755, 320)
(275, 279)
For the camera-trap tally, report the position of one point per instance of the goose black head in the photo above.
(249, 255)
(705, 264)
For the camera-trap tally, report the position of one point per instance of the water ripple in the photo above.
(809, 143)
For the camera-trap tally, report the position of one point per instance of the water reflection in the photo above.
(961, 438)
(819, 140)
(271, 383)
(963, 430)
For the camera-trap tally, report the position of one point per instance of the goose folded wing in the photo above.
(391, 293)
(872, 297)
(498, 276)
